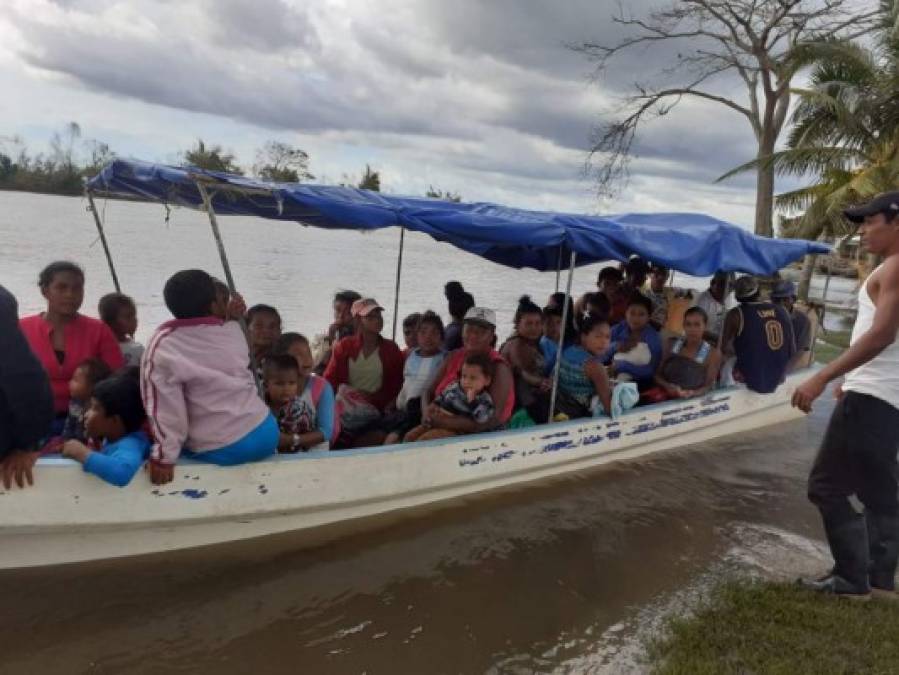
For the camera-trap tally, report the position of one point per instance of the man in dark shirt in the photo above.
(26, 403)
(784, 294)
(760, 335)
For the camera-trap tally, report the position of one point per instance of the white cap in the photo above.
(481, 315)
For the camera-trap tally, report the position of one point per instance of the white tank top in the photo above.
(878, 377)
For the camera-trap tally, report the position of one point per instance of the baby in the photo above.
(468, 397)
(81, 387)
(115, 416)
(119, 312)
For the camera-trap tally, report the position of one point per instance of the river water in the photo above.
(570, 576)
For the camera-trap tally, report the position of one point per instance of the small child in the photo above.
(302, 402)
(410, 331)
(119, 312)
(86, 377)
(116, 416)
(196, 386)
(466, 397)
(422, 365)
(264, 324)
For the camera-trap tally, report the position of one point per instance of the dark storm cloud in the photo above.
(261, 25)
(471, 70)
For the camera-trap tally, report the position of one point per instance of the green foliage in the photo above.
(212, 158)
(774, 628)
(282, 163)
(371, 180)
(445, 195)
(61, 171)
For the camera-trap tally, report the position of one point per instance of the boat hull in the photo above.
(70, 516)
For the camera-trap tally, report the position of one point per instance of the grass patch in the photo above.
(831, 344)
(776, 628)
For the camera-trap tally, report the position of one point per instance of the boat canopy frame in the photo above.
(687, 242)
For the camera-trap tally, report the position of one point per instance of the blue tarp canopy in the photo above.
(688, 242)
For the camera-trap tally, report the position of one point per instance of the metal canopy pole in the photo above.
(207, 202)
(396, 290)
(93, 209)
(558, 365)
(558, 268)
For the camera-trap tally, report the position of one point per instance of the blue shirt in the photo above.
(550, 351)
(650, 336)
(117, 462)
(572, 378)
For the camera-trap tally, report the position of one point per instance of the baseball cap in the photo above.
(364, 307)
(481, 316)
(886, 203)
(745, 287)
(783, 289)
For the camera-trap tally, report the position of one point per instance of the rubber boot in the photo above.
(883, 543)
(849, 546)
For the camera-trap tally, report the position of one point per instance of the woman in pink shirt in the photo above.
(61, 338)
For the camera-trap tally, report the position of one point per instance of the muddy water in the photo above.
(563, 577)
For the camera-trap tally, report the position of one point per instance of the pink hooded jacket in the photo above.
(197, 387)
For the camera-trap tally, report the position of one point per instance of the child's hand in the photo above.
(236, 307)
(76, 450)
(160, 474)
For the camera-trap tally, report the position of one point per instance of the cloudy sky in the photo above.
(480, 97)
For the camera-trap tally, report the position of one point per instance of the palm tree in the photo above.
(845, 132)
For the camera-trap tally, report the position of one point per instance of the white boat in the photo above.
(71, 516)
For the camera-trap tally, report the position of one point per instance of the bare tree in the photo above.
(759, 41)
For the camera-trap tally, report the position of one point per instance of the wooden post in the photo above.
(557, 367)
(93, 209)
(229, 279)
(396, 290)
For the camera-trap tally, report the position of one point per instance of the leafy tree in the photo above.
(447, 196)
(282, 163)
(371, 180)
(755, 40)
(211, 158)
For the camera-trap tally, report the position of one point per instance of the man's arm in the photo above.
(880, 336)
(732, 325)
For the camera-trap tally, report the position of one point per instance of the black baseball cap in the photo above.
(886, 203)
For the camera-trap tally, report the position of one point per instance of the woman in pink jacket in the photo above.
(197, 386)
(62, 338)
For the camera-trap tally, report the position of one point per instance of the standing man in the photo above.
(858, 453)
(26, 403)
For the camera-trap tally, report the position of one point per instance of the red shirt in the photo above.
(85, 338)
(338, 370)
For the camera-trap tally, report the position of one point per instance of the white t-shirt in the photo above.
(715, 310)
(418, 373)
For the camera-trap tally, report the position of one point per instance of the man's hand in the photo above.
(807, 392)
(18, 467)
(76, 450)
(160, 474)
(838, 391)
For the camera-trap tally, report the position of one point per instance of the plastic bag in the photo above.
(353, 409)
